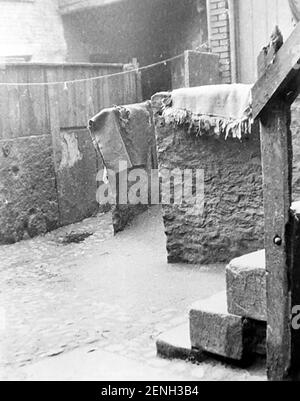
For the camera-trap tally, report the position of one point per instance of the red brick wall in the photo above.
(219, 35)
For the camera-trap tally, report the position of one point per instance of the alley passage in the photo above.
(115, 294)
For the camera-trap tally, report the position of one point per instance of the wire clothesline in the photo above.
(66, 82)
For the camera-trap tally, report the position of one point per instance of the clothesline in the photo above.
(65, 83)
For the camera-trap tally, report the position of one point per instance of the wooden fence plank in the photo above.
(14, 108)
(4, 117)
(39, 123)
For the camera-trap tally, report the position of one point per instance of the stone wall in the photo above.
(32, 28)
(232, 222)
(44, 185)
(28, 194)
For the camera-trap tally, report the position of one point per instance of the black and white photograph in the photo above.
(149, 193)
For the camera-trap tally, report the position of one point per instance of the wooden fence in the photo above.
(28, 110)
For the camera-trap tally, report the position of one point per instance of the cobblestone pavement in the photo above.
(114, 294)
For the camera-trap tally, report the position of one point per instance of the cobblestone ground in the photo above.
(115, 294)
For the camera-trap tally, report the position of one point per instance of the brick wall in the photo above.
(219, 35)
(32, 28)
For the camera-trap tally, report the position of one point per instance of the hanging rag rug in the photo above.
(125, 139)
(124, 135)
(211, 110)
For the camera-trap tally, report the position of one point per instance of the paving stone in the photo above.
(246, 286)
(214, 330)
(175, 343)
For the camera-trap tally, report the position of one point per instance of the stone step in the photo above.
(296, 208)
(176, 344)
(246, 286)
(246, 283)
(214, 330)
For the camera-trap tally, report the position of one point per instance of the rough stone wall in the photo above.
(219, 35)
(33, 28)
(28, 197)
(232, 222)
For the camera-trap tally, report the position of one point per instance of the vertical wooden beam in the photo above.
(282, 228)
(277, 166)
(138, 75)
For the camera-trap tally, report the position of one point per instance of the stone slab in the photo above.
(175, 343)
(214, 330)
(246, 286)
(77, 169)
(28, 195)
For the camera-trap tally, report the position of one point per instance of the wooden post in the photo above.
(272, 97)
(277, 164)
(139, 87)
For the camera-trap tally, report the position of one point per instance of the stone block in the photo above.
(28, 196)
(214, 330)
(246, 286)
(175, 343)
(77, 169)
(232, 223)
(195, 68)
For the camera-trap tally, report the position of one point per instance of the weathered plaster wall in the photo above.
(232, 222)
(32, 28)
